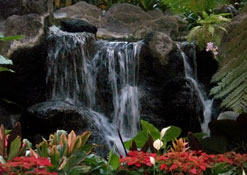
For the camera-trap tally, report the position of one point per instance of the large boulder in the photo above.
(160, 46)
(22, 7)
(25, 86)
(81, 10)
(8, 8)
(31, 26)
(78, 25)
(115, 23)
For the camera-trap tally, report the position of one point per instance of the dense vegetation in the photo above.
(151, 151)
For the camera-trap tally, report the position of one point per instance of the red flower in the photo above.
(193, 171)
(163, 166)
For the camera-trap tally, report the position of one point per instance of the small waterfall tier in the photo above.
(191, 75)
(81, 68)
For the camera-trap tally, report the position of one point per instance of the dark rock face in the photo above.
(26, 86)
(182, 105)
(233, 131)
(31, 26)
(78, 25)
(47, 117)
(8, 8)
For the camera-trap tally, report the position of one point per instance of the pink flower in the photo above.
(210, 46)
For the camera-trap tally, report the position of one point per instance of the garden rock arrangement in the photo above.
(164, 92)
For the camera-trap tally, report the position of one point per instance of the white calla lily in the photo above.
(152, 160)
(243, 173)
(163, 131)
(158, 144)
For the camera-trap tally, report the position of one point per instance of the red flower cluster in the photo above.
(26, 165)
(191, 162)
(138, 158)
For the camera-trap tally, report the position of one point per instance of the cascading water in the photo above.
(74, 74)
(191, 76)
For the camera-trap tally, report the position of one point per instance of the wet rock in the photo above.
(182, 105)
(234, 131)
(47, 117)
(31, 26)
(160, 46)
(34, 6)
(78, 25)
(228, 115)
(117, 20)
(8, 8)
(226, 8)
(81, 10)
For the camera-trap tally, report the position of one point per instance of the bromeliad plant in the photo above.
(11, 145)
(66, 151)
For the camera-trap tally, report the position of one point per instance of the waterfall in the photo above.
(76, 74)
(191, 76)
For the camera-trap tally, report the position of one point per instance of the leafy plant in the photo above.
(10, 143)
(144, 138)
(3, 60)
(208, 29)
(231, 77)
(66, 151)
(192, 6)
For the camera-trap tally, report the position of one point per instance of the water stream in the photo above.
(191, 76)
(76, 74)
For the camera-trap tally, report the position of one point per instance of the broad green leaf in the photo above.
(140, 139)
(113, 160)
(14, 148)
(172, 133)
(151, 129)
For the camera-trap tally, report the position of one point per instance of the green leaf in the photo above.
(14, 148)
(85, 136)
(2, 69)
(211, 30)
(113, 160)
(172, 133)
(8, 38)
(151, 129)
(140, 139)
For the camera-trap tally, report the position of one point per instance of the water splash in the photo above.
(74, 74)
(191, 76)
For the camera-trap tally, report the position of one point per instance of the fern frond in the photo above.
(231, 78)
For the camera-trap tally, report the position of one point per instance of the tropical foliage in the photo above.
(208, 29)
(231, 77)
(3, 60)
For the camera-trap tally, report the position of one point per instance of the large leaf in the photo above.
(151, 129)
(113, 160)
(14, 148)
(231, 78)
(140, 139)
(172, 133)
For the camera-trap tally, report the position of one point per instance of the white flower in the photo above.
(163, 131)
(152, 160)
(158, 144)
(242, 174)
